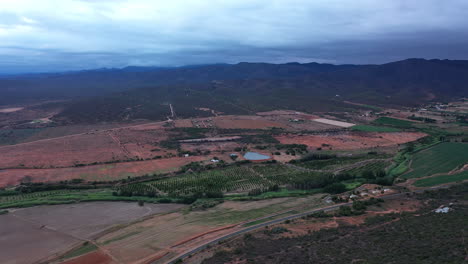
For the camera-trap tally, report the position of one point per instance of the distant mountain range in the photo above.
(244, 87)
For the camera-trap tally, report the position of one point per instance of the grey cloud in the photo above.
(70, 35)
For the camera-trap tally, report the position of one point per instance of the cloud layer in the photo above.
(50, 35)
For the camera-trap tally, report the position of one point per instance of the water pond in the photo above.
(255, 156)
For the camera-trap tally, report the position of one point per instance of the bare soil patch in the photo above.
(121, 144)
(183, 123)
(351, 140)
(32, 234)
(11, 110)
(106, 172)
(25, 242)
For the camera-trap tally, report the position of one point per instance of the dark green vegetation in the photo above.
(388, 121)
(419, 237)
(442, 179)
(267, 180)
(369, 128)
(86, 248)
(254, 179)
(19, 199)
(14, 136)
(403, 158)
(239, 89)
(441, 158)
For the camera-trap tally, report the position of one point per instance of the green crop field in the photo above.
(367, 128)
(441, 158)
(64, 197)
(393, 122)
(229, 179)
(428, 182)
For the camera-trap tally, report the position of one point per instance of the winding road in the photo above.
(282, 219)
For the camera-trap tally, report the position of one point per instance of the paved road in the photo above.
(282, 219)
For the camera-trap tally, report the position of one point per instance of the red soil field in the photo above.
(105, 172)
(351, 140)
(110, 145)
(96, 257)
(63, 151)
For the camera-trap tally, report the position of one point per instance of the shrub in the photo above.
(336, 187)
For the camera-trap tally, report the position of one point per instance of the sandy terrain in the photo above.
(104, 172)
(183, 123)
(11, 110)
(333, 122)
(46, 230)
(351, 140)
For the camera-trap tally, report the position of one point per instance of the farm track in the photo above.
(282, 219)
(122, 147)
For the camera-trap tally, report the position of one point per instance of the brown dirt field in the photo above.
(96, 257)
(45, 231)
(183, 123)
(23, 242)
(351, 140)
(245, 122)
(10, 177)
(63, 151)
(109, 145)
(86, 220)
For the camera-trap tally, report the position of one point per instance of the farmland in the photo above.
(232, 179)
(393, 122)
(42, 232)
(441, 158)
(351, 140)
(370, 128)
(100, 173)
(168, 235)
(334, 238)
(441, 179)
(182, 182)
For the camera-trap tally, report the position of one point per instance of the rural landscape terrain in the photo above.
(236, 163)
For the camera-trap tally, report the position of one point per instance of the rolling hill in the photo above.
(139, 92)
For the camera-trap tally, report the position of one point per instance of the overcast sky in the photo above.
(48, 35)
